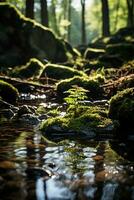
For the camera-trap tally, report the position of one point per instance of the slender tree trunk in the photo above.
(30, 9)
(105, 18)
(54, 18)
(130, 6)
(44, 13)
(117, 15)
(69, 19)
(83, 26)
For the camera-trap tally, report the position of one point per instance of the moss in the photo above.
(32, 69)
(90, 84)
(89, 118)
(8, 92)
(60, 72)
(122, 107)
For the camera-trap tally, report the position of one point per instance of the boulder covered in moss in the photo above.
(8, 92)
(92, 85)
(92, 53)
(55, 71)
(33, 68)
(122, 108)
(90, 123)
(22, 39)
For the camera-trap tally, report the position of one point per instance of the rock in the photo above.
(92, 85)
(7, 113)
(58, 72)
(32, 69)
(24, 110)
(92, 53)
(22, 39)
(29, 119)
(122, 108)
(8, 92)
(124, 50)
(111, 60)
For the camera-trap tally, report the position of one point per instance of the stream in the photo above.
(33, 168)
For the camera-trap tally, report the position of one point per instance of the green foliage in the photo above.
(8, 92)
(60, 72)
(32, 69)
(78, 117)
(74, 99)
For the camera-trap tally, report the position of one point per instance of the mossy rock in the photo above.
(8, 92)
(92, 121)
(32, 69)
(122, 108)
(22, 39)
(124, 50)
(92, 53)
(92, 85)
(58, 72)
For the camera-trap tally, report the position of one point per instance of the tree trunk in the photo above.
(83, 27)
(69, 19)
(130, 6)
(54, 18)
(30, 9)
(44, 13)
(105, 18)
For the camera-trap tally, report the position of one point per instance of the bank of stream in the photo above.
(31, 167)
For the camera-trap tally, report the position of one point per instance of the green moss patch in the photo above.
(8, 92)
(89, 119)
(60, 72)
(90, 84)
(32, 69)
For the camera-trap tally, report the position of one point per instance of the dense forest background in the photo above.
(79, 21)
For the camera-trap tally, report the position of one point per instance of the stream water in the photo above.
(32, 168)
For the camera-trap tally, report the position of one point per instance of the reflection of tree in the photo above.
(99, 169)
(78, 165)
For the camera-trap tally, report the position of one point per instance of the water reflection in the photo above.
(31, 168)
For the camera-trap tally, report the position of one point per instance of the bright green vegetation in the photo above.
(78, 117)
(8, 92)
(91, 84)
(33, 68)
(122, 107)
(88, 118)
(58, 72)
